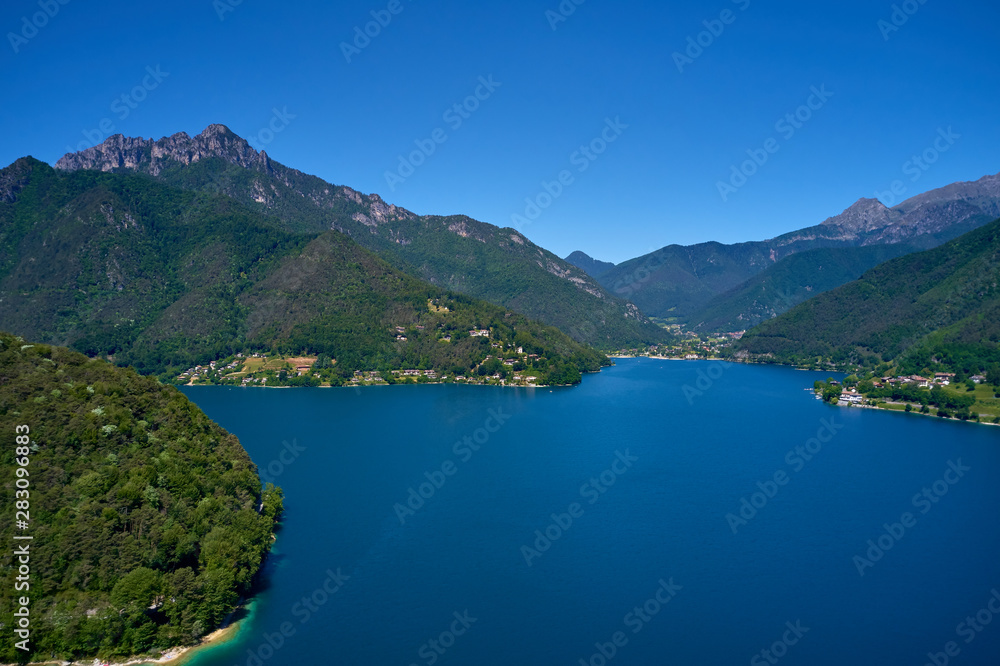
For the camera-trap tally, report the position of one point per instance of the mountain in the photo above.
(792, 280)
(163, 279)
(454, 252)
(147, 520)
(593, 267)
(678, 282)
(939, 307)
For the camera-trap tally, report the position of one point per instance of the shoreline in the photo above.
(903, 411)
(175, 656)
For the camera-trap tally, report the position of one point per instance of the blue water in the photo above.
(658, 524)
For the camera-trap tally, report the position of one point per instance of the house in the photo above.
(978, 379)
(922, 382)
(852, 398)
(479, 333)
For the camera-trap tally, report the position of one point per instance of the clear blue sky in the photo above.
(655, 184)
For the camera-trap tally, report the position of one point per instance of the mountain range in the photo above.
(163, 278)
(455, 252)
(169, 252)
(712, 286)
(930, 309)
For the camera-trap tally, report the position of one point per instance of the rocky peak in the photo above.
(863, 216)
(149, 156)
(14, 177)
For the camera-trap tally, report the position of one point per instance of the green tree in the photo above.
(137, 589)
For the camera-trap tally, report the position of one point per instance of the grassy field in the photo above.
(985, 402)
(987, 406)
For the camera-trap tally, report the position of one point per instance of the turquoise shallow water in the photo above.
(591, 525)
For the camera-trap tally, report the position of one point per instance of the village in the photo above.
(945, 395)
(507, 365)
(689, 346)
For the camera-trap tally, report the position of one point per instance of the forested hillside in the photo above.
(938, 309)
(164, 279)
(794, 279)
(148, 521)
(678, 282)
(454, 252)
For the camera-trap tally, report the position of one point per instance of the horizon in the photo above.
(627, 125)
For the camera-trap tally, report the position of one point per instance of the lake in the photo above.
(686, 513)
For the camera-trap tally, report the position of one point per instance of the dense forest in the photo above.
(790, 281)
(164, 279)
(937, 310)
(148, 520)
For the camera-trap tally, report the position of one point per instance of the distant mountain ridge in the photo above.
(456, 252)
(939, 307)
(593, 267)
(794, 279)
(678, 282)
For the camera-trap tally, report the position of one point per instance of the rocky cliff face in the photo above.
(148, 156)
(864, 216)
(152, 157)
(869, 222)
(983, 194)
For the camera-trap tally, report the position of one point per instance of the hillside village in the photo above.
(507, 365)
